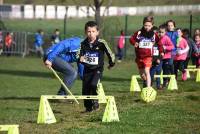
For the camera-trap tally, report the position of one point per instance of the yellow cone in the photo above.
(45, 115)
(101, 94)
(110, 114)
(172, 83)
(134, 85)
(188, 73)
(198, 76)
(148, 94)
(13, 130)
(161, 78)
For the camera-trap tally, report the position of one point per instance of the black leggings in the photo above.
(90, 81)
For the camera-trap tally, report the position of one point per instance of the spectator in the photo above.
(39, 42)
(8, 43)
(1, 41)
(120, 46)
(55, 38)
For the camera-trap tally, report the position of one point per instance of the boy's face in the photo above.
(57, 32)
(170, 26)
(92, 33)
(179, 32)
(148, 26)
(197, 39)
(197, 31)
(162, 32)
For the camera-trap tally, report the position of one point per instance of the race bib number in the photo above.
(155, 51)
(147, 45)
(91, 58)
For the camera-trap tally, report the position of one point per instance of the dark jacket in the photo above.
(94, 54)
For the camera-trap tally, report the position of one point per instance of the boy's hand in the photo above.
(82, 59)
(162, 54)
(158, 61)
(111, 65)
(136, 44)
(48, 63)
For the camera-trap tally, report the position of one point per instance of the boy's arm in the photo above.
(133, 40)
(81, 53)
(56, 51)
(109, 53)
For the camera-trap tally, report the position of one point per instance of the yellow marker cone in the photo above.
(13, 130)
(110, 114)
(148, 94)
(198, 76)
(45, 115)
(172, 83)
(101, 94)
(161, 78)
(134, 85)
(188, 73)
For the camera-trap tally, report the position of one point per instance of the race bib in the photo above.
(147, 45)
(91, 58)
(155, 51)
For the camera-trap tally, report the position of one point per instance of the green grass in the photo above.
(111, 26)
(114, 2)
(24, 80)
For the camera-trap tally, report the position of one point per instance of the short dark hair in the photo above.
(148, 19)
(91, 24)
(196, 35)
(163, 26)
(172, 22)
(186, 31)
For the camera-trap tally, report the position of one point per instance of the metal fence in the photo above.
(23, 43)
(19, 43)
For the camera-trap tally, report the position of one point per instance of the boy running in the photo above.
(92, 56)
(143, 41)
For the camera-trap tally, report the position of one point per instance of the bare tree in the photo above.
(96, 7)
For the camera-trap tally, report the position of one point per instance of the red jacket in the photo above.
(145, 48)
(8, 40)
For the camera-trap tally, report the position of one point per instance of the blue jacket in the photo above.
(38, 40)
(173, 35)
(66, 49)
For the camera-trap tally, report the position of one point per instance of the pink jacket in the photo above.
(182, 49)
(167, 44)
(121, 41)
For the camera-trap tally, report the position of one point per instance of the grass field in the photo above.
(111, 27)
(24, 80)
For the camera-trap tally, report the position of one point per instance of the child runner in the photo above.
(156, 63)
(182, 49)
(168, 46)
(173, 35)
(197, 50)
(143, 41)
(92, 56)
(191, 45)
